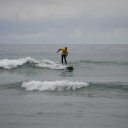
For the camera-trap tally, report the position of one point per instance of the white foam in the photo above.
(50, 64)
(9, 64)
(53, 85)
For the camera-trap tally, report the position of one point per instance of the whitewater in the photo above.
(10, 64)
(53, 85)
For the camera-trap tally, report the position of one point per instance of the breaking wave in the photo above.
(15, 63)
(10, 64)
(53, 85)
(65, 85)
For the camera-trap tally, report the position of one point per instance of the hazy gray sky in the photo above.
(64, 21)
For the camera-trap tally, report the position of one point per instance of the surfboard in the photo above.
(68, 67)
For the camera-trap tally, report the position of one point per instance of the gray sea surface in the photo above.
(37, 91)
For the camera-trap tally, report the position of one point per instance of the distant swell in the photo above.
(103, 62)
(53, 85)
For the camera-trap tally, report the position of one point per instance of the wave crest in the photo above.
(10, 64)
(53, 85)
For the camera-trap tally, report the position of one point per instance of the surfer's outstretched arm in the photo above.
(58, 50)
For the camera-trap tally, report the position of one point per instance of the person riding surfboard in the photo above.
(64, 54)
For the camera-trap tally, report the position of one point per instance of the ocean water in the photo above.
(36, 91)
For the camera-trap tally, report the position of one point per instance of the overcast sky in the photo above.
(64, 21)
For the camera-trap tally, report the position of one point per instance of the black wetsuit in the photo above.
(63, 56)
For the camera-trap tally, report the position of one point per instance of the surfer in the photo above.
(64, 54)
